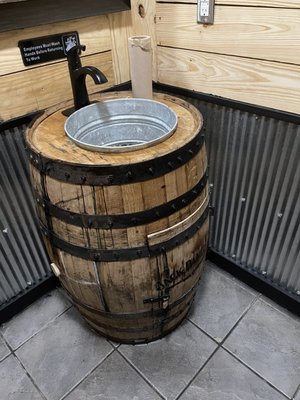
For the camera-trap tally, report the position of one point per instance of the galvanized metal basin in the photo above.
(121, 125)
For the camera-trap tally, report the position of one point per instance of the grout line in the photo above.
(12, 350)
(30, 377)
(255, 372)
(140, 374)
(198, 372)
(44, 327)
(5, 357)
(89, 373)
(203, 331)
(255, 300)
(241, 317)
(26, 372)
(115, 345)
(220, 343)
(297, 391)
(7, 345)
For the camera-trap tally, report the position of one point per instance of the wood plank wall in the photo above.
(27, 89)
(251, 53)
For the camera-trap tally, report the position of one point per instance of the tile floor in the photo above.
(235, 345)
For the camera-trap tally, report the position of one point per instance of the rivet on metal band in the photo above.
(125, 254)
(94, 175)
(124, 220)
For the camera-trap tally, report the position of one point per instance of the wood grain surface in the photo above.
(143, 22)
(274, 85)
(38, 88)
(263, 33)
(121, 29)
(47, 136)
(93, 32)
(254, 3)
(39, 12)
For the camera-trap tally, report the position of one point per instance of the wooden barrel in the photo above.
(126, 232)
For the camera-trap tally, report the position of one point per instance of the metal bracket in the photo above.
(164, 298)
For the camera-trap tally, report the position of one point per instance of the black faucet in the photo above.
(78, 74)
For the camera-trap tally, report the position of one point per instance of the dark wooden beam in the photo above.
(25, 14)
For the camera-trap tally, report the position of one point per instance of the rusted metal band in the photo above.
(95, 175)
(138, 315)
(144, 340)
(125, 254)
(150, 328)
(123, 220)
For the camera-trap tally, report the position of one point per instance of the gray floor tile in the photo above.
(219, 303)
(4, 350)
(268, 341)
(170, 363)
(231, 277)
(14, 382)
(224, 378)
(62, 354)
(114, 379)
(35, 317)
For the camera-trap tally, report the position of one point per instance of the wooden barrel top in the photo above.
(48, 138)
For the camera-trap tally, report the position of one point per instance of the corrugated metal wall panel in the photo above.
(254, 173)
(23, 260)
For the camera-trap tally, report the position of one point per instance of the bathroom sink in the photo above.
(121, 125)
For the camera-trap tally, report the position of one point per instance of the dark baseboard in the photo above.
(257, 282)
(23, 120)
(20, 302)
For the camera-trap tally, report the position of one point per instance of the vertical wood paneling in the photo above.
(143, 20)
(121, 29)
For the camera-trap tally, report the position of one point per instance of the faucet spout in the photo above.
(78, 77)
(95, 73)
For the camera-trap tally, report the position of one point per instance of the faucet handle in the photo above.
(73, 56)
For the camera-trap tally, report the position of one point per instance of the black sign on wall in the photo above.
(47, 48)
